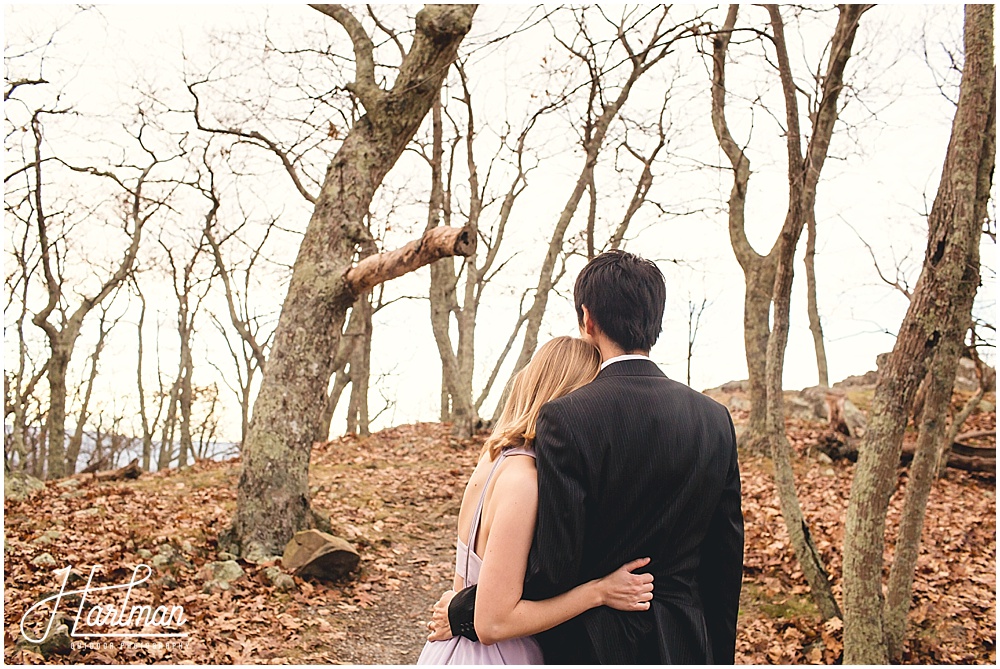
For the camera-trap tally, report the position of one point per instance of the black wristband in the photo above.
(463, 602)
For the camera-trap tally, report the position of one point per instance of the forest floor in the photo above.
(395, 496)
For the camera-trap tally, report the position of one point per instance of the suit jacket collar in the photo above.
(645, 367)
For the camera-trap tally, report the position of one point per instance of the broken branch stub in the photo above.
(436, 243)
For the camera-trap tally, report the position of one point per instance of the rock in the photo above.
(226, 556)
(321, 519)
(815, 396)
(735, 386)
(44, 560)
(866, 380)
(315, 553)
(220, 575)
(19, 486)
(256, 555)
(86, 513)
(214, 586)
(144, 553)
(799, 408)
(855, 418)
(47, 537)
(281, 581)
(168, 556)
(824, 459)
(728, 387)
(966, 379)
(225, 571)
(69, 483)
(985, 406)
(738, 403)
(829, 472)
(167, 581)
(57, 642)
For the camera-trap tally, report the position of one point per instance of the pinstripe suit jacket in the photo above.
(637, 465)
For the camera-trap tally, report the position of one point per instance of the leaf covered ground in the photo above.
(395, 496)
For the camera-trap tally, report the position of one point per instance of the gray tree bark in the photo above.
(758, 269)
(803, 178)
(934, 317)
(812, 306)
(273, 493)
(918, 487)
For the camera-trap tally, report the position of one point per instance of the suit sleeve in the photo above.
(554, 562)
(720, 573)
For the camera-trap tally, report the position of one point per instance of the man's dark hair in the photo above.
(625, 295)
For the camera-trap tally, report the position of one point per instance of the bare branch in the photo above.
(364, 86)
(435, 244)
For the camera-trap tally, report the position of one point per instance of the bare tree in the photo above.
(769, 278)
(273, 492)
(936, 319)
(76, 439)
(812, 306)
(458, 403)
(600, 113)
(190, 287)
(759, 270)
(694, 321)
(601, 60)
(20, 381)
(62, 336)
(250, 355)
(147, 423)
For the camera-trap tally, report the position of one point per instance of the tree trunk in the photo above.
(758, 270)
(756, 333)
(457, 367)
(781, 451)
(76, 441)
(167, 435)
(815, 325)
(803, 178)
(357, 408)
(147, 429)
(273, 493)
(341, 364)
(186, 398)
(951, 268)
(918, 488)
(56, 424)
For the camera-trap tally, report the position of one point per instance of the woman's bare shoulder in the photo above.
(517, 476)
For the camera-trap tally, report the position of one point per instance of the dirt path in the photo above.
(410, 485)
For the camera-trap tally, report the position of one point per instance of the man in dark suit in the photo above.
(633, 465)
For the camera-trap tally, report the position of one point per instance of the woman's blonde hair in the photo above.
(559, 367)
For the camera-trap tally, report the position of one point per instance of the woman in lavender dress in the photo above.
(496, 523)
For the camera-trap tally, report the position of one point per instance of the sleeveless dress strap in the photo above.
(477, 518)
